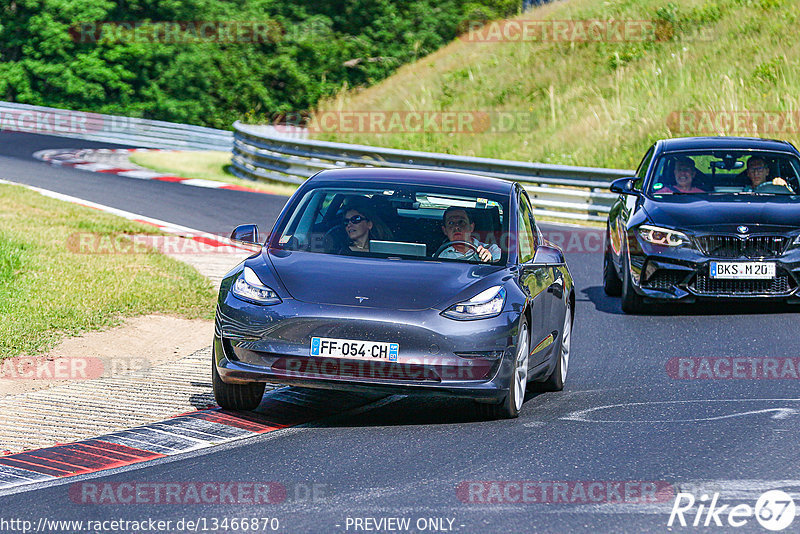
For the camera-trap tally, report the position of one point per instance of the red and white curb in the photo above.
(206, 239)
(86, 160)
(281, 408)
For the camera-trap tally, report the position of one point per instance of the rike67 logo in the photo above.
(774, 510)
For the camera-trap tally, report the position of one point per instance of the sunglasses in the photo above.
(355, 219)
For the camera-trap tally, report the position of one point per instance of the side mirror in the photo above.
(246, 233)
(546, 255)
(624, 186)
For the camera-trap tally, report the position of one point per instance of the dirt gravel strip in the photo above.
(281, 408)
(174, 382)
(88, 408)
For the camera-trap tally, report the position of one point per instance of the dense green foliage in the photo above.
(316, 47)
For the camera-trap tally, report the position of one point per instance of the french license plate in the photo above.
(746, 270)
(354, 349)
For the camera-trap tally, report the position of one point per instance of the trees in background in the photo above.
(195, 61)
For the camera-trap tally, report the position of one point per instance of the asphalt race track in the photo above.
(607, 454)
(212, 210)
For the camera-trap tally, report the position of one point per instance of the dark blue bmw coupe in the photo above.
(401, 281)
(706, 218)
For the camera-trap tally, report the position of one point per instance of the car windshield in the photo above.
(726, 172)
(404, 221)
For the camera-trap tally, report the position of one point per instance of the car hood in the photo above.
(391, 284)
(726, 214)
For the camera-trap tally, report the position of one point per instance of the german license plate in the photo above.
(745, 270)
(354, 349)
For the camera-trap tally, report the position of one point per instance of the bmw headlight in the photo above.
(248, 286)
(662, 236)
(485, 304)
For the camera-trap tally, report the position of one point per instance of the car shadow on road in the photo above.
(417, 410)
(611, 305)
(602, 302)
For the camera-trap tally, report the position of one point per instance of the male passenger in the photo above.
(457, 226)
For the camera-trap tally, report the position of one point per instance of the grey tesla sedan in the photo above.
(400, 281)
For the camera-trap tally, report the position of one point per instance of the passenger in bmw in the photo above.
(685, 173)
(457, 226)
(758, 172)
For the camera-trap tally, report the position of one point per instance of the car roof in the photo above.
(416, 177)
(723, 143)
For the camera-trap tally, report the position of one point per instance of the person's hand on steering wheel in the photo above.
(483, 253)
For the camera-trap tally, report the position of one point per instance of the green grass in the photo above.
(600, 103)
(49, 290)
(209, 165)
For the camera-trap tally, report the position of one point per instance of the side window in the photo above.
(641, 172)
(537, 234)
(526, 241)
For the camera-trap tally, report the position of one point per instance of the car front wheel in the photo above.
(556, 380)
(238, 397)
(612, 285)
(632, 302)
(511, 405)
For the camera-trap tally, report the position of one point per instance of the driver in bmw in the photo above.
(457, 227)
(758, 172)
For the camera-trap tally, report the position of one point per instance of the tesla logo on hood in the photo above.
(362, 299)
(742, 229)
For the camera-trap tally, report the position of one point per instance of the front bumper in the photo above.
(437, 355)
(682, 274)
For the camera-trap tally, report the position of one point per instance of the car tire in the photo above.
(632, 302)
(556, 380)
(237, 397)
(511, 404)
(612, 285)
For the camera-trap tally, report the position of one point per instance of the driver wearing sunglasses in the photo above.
(458, 228)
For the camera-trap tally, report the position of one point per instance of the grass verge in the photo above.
(48, 290)
(208, 165)
(601, 102)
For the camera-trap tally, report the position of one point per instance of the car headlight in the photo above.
(248, 286)
(485, 304)
(796, 241)
(662, 236)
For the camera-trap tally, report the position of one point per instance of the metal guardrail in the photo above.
(286, 155)
(143, 133)
(579, 193)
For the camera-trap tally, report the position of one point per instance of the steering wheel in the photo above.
(769, 187)
(331, 241)
(441, 249)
